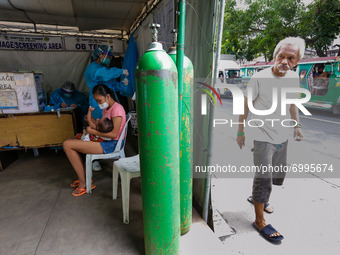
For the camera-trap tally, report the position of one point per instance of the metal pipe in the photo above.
(186, 139)
(211, 112)
(180, 57)
(185, 89)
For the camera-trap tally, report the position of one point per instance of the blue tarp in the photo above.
(130, 63)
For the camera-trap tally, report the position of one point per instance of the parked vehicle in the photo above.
(229, 73)
(321, 76)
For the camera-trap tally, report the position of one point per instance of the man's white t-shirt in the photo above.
(269, 127)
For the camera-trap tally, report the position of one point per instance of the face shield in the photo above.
(107, 56)
(68, 88)
(67, 93)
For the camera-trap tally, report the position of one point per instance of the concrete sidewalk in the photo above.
(306, 212)
(306, 207)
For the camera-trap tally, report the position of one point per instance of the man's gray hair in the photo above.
(295, 41)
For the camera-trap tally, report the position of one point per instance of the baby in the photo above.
(101, 125)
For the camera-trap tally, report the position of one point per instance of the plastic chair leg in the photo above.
(125, 181)
(88, 173)
(122, 153)
(114, 182)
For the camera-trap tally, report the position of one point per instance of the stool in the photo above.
(128, 168)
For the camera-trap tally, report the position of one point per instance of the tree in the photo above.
(322, 25)
(256, 29)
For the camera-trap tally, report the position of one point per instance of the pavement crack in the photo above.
(322, 179)
(48, 220)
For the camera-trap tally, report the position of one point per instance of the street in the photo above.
(306, 207)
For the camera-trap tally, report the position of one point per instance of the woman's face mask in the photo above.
(103, 105)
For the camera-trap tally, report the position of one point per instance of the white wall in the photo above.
(56, 67)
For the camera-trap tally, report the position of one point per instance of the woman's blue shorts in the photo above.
(109, 146)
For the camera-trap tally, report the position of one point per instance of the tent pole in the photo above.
(211, 112)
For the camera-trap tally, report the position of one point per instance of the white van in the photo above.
(229, 72)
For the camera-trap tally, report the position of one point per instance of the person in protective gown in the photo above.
(68, 96)
(97, 73)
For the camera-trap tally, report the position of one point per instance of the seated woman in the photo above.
(112, 110)
(101, 125)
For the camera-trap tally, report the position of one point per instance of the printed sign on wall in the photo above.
(18, 93)
(30, 42)
(8, 99)
(91, 43)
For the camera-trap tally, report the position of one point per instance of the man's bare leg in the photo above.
(259, 217)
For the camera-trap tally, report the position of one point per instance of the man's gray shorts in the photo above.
(268, 154)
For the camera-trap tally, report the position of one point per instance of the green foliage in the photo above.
(256, 29)
(324, 24)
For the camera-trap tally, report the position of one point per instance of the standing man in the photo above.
(270, 137)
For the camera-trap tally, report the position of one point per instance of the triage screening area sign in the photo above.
(57, 43)
(29, 42)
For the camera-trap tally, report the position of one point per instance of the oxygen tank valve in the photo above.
(172, 49)
(174, 32)
(154, 27)
(154, 45)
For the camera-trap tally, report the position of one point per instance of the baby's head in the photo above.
(104, 125)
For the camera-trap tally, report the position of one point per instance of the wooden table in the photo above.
(36, 130)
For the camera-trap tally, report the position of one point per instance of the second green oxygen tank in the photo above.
(186, 142)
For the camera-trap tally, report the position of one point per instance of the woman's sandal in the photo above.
(75, 184)
(78, 192)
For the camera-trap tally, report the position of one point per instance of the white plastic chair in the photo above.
(117, 153)
(128, 168)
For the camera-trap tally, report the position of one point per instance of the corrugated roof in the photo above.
(86, 15)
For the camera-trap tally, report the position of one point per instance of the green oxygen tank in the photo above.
(157, 115)
(186, 139)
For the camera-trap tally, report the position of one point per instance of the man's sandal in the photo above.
(267, 207)
(78, 192)
(75, 184)
(267, 232)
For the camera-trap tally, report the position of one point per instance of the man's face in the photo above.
(286, 58)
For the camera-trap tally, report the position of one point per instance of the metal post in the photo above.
(180, 56)
(186, 139)
(211, 112)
